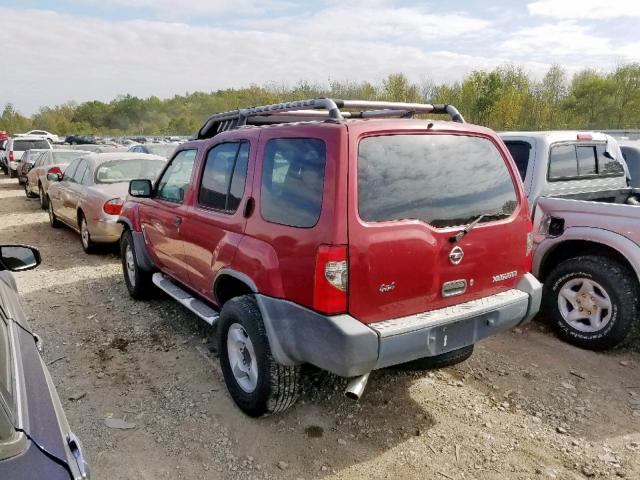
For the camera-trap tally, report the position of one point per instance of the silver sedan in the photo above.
(89, 195)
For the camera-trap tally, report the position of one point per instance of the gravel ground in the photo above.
(525, 406)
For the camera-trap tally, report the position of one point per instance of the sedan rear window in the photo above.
(119, 171)
(65, 157)
(24, 145)
(443, 180)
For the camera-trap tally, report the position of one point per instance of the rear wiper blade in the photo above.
(460, 235)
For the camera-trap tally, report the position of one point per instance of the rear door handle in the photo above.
(177, 221)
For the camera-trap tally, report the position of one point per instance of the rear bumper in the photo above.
(106, 230)
(343, 345)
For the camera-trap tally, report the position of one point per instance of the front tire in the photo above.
(27, 190)
(257, 383)
(592, 302)
(138, 282)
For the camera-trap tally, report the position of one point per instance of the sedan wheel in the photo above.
(85, 237)
(43, 198)
(53, 220)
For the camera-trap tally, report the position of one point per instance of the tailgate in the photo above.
(412, 194)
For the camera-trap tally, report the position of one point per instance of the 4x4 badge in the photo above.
(456, 255)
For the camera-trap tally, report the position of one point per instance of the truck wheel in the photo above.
(53, 220)
(138, 281)
(438, 361)
(257, 383)
(592, 302)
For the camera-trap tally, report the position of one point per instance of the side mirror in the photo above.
(19, 257)
(140, 188)
(54, 177)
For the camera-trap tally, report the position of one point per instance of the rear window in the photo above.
(443, 180)
(567, 161)
(65, 158)
(23, 145)
(119, 171)
(520, 152)
(292, 181)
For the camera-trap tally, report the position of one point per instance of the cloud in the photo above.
(556, 41)
(585, 9)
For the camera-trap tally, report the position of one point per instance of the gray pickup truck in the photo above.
(586, 225)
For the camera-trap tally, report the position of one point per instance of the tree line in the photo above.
(505, 98)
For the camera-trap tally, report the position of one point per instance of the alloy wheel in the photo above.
(242, 358)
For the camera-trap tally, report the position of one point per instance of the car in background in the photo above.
(36, 442)
(631, 153)
(26, 163)
(51, 161)
(3, 160)
(80, 139)
(52, 137)
(16, 147)
(163, 149)
(89, 195)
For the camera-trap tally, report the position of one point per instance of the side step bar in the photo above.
(198, 307)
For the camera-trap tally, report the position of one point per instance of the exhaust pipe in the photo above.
(355, 387)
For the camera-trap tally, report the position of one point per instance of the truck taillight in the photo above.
(55, 170)
(113, 206)
(331, 281)
(11, 155)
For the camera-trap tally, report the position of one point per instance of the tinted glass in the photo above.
(586, 160)
(239, 178)
(520, 152)
(563, 161)
(443, 180)
(22, 145)
(176, 178)
(119, 171)
(70, 170)
(217, 175)
(632, 157)
(65, 157)
(608, 166)
(292, 181)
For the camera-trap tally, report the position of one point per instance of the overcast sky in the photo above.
(55, 51)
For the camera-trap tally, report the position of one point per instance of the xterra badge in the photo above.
(504, 276)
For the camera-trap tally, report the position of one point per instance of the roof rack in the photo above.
(319, 109)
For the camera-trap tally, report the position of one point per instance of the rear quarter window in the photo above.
(293, 181)
(520, 151)
(443, 180)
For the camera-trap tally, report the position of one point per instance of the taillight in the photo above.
(331, 279)
(11, 155)
(55, 170)
(113, 206)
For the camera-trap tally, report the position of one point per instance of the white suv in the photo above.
(17, 146)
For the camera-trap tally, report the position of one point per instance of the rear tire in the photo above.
(598, 285)
(88, 245)
(257, 383)
(53, 220)
(44, 199)
(438, 361)
(12, 174)
(138, 281)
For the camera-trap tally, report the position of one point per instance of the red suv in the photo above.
(330, 233)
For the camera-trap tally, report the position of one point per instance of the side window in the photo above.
(563, 161)
(79, 173)
(224, 176)
(177, 177)
(586, 160)
(293, 181)
(520, 152)
(70, 170)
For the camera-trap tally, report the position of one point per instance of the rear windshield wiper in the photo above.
(460, 235)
